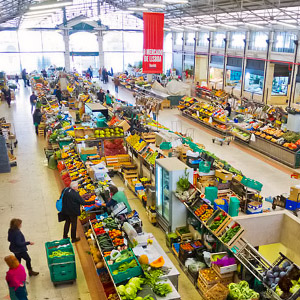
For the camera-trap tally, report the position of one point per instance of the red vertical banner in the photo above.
(153, 43)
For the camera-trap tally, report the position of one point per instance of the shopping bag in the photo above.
(59, 201)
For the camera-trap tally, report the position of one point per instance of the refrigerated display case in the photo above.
(171, 213)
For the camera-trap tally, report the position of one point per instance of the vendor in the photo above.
(228, 108)
(117, 197)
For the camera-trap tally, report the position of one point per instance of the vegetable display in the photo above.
(162, 289)
(230, 233)
(129, 291)
(218, 221)
(125, 266)
(242, 291)
(60, 253)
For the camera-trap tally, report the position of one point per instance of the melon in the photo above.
(144, 260)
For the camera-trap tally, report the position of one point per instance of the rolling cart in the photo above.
(283, 202)
(226, 139)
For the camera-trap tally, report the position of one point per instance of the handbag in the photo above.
(59, 201)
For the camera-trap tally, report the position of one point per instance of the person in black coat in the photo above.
(228, 108)
(100, 96)
(71, 202)
(37, 117)
(18, 244)
(58, 94)
(7, 95)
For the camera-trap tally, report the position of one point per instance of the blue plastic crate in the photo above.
(291, 205)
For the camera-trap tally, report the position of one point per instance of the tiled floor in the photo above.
(30, 190)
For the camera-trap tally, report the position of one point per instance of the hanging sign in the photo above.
(153, 43)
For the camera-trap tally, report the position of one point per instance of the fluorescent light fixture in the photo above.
(167, 29)
(51, 5)
(191, 28)
(206, 27)
(225, 25)
(176, 1)
(177, 28)
(137, 8)
(154, 5)
(254, 25)
(32, 13)
(286, 24)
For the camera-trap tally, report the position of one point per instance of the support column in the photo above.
(266, 88)
(246, 45)
(182, 54)
(226, 40)
(294, 75)
(67, 49)
(195, 47)
(208, 57)
(100, 48)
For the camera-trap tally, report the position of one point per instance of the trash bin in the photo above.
(234, 206)
(211, 193)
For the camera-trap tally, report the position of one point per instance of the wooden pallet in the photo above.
(41, 132)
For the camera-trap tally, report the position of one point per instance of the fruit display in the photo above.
(241, 290)
(118, 242)
(289, 285)
(101, 133)
(245, 136)
(136, 142)
(273, 276)
(151, 157)
(209, 275)
(206, 215)
(113, 296)
(114, 233)
(158, 263)
(199, 211)
(114, 147)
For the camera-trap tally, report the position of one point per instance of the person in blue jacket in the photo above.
(18, 244)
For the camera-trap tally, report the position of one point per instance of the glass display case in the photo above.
(171, 213)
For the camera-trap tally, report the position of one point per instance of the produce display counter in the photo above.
(277, 152)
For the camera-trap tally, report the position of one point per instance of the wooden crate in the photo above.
(235, 239)
(184, 236)
(204, 281)
(226, 221)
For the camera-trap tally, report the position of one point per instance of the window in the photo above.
(10, 63)
(190, 39)
(30, 41)
(133, 59)
(218, 40)
(284, 42)
(9, 41)
(168, 52)
(188, 62)
(83, 42)
(258, 41)
(112, 41)
(254, 83)
(178, 38)
(280, 85)
(137, 45)
(114, 60)
(237, 40)
(52, 41)
(203, 39)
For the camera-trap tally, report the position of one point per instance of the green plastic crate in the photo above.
(85, 156)
(64, 143)
(129, 273)
(62, 268)
(256, 185)
(107, 258)
(165, 146)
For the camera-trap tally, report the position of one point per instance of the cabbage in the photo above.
(121, 290)
(137, 282)
(130, 293)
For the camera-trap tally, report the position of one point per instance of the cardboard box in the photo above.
(124, 124)
(223, 174)
(294, 193)
(91, 150)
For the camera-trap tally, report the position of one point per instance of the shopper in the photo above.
(117, 197)
(100, 73)
(16, 278)
(18, 245)
(71, 202)
(100, 96)
(108, 98)
(37, 118)
(24, 77)
(33, 99)
(17, 80)
(7, 95)
(58, 94)
(28, 79)
(228, 108)
(116, 83)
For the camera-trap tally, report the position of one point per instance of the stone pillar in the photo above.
(67, 49)
(209, 56)
(226, 40)
(100, 46)
(244, 64)
(267, 88)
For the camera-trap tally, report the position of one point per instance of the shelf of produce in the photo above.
(102, 254)
(218, 130)
(174, 295)
(277, 152)
(155, 250)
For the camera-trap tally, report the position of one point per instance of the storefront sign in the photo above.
(153, 43)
